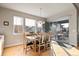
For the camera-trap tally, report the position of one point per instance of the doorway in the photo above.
(60, 30)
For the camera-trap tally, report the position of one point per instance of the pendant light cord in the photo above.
(40, 11)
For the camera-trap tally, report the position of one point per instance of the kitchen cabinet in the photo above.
(1, 44)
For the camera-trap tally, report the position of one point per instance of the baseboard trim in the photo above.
(11, 45)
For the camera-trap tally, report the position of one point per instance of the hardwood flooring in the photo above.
(56, 50)
(19, 51)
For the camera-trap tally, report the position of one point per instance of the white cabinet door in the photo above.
(1, 44)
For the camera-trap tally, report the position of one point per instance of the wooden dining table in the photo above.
(34, 39)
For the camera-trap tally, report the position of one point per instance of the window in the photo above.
(65, 25)
(18, 24)
(30, 22)
(30, 25)
(40, 26)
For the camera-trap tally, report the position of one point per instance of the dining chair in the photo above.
(27, 43)
(48, 41)
(41, 44)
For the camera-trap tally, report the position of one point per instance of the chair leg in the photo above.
(44, 48)
(24, 49)
(39, 51)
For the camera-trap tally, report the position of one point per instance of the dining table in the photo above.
(34, 39)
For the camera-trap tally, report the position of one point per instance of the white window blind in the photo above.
(18, 24)
(30, 22)
(30, 25)
(18, 20)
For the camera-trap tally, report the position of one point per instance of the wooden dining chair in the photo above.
(27, 43)
(48, 41)
(41, 44)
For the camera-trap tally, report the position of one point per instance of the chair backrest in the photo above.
(48, 37)
(26, 41)
(42, 38)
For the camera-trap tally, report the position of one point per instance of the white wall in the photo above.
(78, 27)
(7, 14)
(72, 15)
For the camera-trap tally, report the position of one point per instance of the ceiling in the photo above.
(48, 9)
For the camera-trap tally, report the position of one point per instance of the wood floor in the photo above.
(19, 51)
(56, 50)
